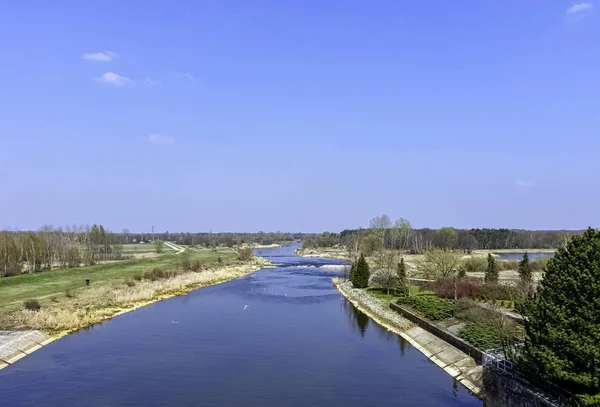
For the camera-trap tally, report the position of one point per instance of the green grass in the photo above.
(15, 290)
(384, 296)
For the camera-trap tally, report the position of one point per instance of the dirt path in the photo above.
(175, 247)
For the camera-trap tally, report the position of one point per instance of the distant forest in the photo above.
(403, 237)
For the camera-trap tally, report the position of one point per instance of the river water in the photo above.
(519, 256)
(278, 337)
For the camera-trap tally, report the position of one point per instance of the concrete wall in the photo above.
(501, 390)
(440, 333)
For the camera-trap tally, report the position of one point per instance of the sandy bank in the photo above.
(454, 362)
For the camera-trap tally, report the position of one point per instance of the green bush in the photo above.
(480, 335)
(430, 306)
(591, 401)
(32, 305)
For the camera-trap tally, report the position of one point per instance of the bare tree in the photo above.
(403, 234)
(386, 279)
(439, 263)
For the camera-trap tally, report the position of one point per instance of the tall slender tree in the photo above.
(525, 271)
(403, 287)
(361, 273)
(491, 274)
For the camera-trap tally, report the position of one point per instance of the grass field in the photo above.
(15, 290)
(143, 248)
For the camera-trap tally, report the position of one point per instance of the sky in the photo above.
(299, 116)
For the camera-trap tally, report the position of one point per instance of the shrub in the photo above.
(480, 335)
(130, 283)
(591, 401)
(186, 264)
(155, 274)
(430, 306)
(470, 287)
(245, 254)
(138, 277)
(499, 292)
(504, 265)
(196, 266)
(69, 293)
(475, 264)
(32, 305)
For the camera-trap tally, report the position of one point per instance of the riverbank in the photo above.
(456, 363)
(75, 310)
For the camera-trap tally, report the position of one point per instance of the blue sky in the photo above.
(299, 115)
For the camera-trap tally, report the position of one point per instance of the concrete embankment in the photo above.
(456, 363)
(18, 344)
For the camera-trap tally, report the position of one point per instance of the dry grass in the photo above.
(101, 302)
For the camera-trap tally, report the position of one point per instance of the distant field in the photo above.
(143, 248)
(15, 290)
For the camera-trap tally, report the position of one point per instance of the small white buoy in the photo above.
(175, 322)
(245, 306)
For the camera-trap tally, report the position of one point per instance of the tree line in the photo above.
(211, 239)
(400, 235)
(51, 247)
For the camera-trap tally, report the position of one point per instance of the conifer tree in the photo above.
(525, 271)
(562, 319)
(361, 274)
(491, 274)
(402, 278)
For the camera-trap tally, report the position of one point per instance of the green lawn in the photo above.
(382, 294)
(15, 290)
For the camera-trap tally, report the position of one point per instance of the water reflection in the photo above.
(403, 343)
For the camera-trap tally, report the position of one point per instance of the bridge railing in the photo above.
(494, 358)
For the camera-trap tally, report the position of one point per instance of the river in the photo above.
(519, 255)
(279, 337)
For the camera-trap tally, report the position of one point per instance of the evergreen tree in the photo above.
(361, 274)
(525, 271)
(402, 278)
(491, 274)
(353, 271)
(563, 320)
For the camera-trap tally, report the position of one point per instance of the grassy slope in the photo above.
(15, 290)
(142, 248)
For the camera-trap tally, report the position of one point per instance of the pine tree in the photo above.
(402, 278)
(562, 319)
(525, 271)
(353, 271)
(361, 274)
(491, 274)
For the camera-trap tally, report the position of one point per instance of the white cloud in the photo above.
(106, 56)
(151, 82)
(114, 79)
(580, 8)
(524, 184)
(160, 139)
